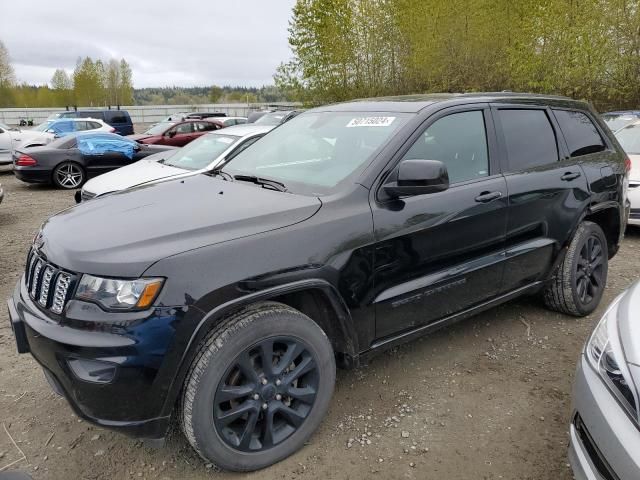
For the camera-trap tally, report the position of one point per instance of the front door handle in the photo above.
(486, 197)
(567, 177)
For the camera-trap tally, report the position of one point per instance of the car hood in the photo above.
(141, 136)
(27, 136)
(142, 171)
(124, 233)
(635, 168)
(628, 324)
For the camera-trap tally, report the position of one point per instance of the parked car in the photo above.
(52, 129)
(253, 116)
(276, 118)
(226, 300)
(68, 161)
(176, 134)
(202, 155)
(118, 119)
(231, 121)
(10, 138)
(617, 120)
(605, 427)
(201, 115)
(629, 138)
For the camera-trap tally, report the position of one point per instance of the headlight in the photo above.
(116, 294)
(605, 354)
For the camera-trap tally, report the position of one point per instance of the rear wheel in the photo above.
(579, 282)
(258, 388)
(68, 175)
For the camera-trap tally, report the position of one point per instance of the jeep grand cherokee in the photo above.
(226, 299)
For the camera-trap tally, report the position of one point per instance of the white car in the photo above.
(10, 138)
(202, 155)
(231, 121)
(52, 129)
(629, 138)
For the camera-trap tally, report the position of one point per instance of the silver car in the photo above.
(605, 429)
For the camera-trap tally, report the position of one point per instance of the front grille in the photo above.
(635, 213)
(48, 286)
(595, 455)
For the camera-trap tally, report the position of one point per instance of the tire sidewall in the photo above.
(588, 229)
(282, 323)
(60, 165)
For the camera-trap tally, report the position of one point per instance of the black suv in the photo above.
(226, 299)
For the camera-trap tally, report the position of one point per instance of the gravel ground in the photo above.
(488, 398)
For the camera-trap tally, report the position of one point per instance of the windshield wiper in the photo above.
(264, 182)
(218, 171)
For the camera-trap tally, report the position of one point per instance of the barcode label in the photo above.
(371, 122)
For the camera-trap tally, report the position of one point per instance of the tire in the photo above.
(215, 418)
(579, 282)
(69, 175)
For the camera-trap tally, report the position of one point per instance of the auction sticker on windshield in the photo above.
(371, 122)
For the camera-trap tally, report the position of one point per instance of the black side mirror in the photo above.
(417, 177)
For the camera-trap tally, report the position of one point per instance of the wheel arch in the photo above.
(607, 216)
(316, 298)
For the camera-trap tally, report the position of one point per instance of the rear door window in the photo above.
(581, 134)
(529, 138)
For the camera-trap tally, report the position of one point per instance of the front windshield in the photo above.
(159, 128)
(616, 122)
(201, 152)
(4, 127)
(43, 127)
(271, 118)
(629, 138)
(314, 152)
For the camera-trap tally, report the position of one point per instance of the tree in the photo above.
(7, 77)
(215, 94)
(62, 88)
(112, 82)
(125, 89)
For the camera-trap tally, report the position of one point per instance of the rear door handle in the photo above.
(486, 197)
(567, 177)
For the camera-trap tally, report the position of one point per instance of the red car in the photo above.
(176, 134)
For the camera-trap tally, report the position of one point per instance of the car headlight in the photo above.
(114, 294)
(604, 353)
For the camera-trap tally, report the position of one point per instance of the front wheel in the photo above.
(68, 175)
(258, 388)
(580, 279)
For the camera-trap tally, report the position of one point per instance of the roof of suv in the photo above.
(415, 103)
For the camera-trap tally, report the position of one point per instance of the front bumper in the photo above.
(633, 195)
(604, 442)
(132, 400)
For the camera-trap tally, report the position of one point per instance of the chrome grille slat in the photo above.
(48, 286)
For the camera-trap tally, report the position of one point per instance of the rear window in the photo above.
(529, 139)
(581, 134)
(116, 117)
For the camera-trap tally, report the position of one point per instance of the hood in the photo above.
(141, 136)
(137, 173)
(124, 233)
(629, 324)
(635, 168)
(24, 137)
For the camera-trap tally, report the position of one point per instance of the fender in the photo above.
(211, 319)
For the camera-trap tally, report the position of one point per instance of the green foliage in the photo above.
(345, 49)
(213, 94)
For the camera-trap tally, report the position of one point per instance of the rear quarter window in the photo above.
(529, 138)
(581, 134)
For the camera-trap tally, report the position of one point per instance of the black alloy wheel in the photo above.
(266, 394)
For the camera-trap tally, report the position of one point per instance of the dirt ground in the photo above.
(489, 398)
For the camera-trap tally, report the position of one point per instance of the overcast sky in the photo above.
(166, 42)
